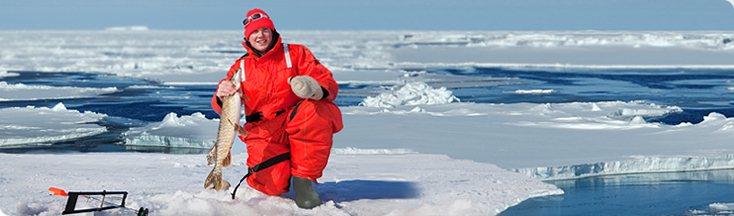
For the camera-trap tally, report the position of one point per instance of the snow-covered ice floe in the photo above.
(413, 184)
(20, 91)
(4, 73)
(550, 141)
(701, 157)
(42, 125)
(718, 209)
(535, 91)
(149, 54)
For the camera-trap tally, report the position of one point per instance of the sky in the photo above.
(666, 15)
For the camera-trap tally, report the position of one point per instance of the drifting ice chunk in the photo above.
(20, 91)
(4, 73)
(651, 111)
(22, 126)
(535, 91)
(194, 131)
(722, 206)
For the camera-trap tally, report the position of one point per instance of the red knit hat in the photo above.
(262, 22)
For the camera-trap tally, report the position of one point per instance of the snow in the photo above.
(352, 184)
(413, 149)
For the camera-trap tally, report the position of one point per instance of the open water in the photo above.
(678, 193)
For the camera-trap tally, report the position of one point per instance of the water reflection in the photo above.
(673, 193)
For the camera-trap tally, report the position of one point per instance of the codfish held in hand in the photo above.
(221, 155)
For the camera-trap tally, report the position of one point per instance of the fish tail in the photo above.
(214, 180)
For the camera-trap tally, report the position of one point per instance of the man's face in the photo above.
(260, 39)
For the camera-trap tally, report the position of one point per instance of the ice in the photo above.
(721, 209)
(192, 56)
(535, 91)
(646, 112)
(567, 140)
(193, 131)
(641, 165)
(721, 206)
(414, 93)
(42, 126)
(7, 74)
(20, 91)
(552, 39)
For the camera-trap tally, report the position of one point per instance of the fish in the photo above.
(221, 154)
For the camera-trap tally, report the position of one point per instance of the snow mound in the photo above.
(44, 126)
(194, 131)
(414, 93)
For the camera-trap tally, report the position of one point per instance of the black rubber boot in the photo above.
(306, 196)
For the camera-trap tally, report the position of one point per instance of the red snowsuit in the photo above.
(288, 124)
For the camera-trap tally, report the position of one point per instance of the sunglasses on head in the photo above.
(253, 17)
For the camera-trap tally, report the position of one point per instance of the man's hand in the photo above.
(306, 87)
(225, 89)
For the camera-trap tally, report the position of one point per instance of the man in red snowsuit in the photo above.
(290, 109)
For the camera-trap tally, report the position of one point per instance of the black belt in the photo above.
(261, 166)
(258, 116)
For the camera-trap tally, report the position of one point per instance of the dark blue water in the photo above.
(679, 193)
(697, 92)
(144, 104)
(148, 104)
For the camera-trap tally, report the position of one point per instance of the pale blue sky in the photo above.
(372, 14)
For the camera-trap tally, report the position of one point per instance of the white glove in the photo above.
(306, 87)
